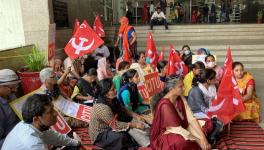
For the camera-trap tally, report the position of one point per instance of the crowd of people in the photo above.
(178, 112)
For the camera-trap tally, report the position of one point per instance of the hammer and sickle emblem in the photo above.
(79, 47)
(179, 68)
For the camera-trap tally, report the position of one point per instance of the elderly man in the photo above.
(34, 133)
(8, 86)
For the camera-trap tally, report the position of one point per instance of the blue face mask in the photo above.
(187, 52)
(148, 60)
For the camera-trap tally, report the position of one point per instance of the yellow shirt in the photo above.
(188, 83)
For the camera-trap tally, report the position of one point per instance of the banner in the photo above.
(61, 126)
(152, 85)
(201, 58)
(72, 109)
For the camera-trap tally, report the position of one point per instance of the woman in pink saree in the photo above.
(175, 127)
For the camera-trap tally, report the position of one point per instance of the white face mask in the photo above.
(210, 64)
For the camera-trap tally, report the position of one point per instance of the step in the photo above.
(176, 38)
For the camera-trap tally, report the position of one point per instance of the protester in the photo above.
(77, 67)
(172, 117)
(34, 133)
(205, 13)
(247, 87)
(142, 61)
(100, 52)
(122, 68)
(162, 69)
(196, 70)
(203, 51)
(127, 32)
(158, 18)
(57, 68)
(109, 123)
(210, 63)
(145, 14)
(202, 93)
(51, 88)
(186, 55)
(8, 87)
(104, 69)
(129, 95)
(86, 90)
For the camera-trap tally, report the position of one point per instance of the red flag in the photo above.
(126, 55)
(76, 26)
(228, 103)
(84, 41)
(161, 54)
(98, 27)
(176, 65)
(151, 51)
(228, 58)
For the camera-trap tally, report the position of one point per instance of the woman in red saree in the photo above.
(175, 127)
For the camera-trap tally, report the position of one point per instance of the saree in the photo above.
(166, 115)
(252, 112)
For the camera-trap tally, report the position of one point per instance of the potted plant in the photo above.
(259, 16)
(29, 75)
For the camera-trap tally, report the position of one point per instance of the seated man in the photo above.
(8, 86)
(158, 18)
(34, 131)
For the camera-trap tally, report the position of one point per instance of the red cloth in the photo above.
(98, 27)
(166, 116)
(151, 51)
(76, 26)
(161, 57)
(228, 103)
(145, 13)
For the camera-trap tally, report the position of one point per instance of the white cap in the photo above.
(8, 77)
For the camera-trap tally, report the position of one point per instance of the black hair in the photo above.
(91, 72)
(237, 63)
(161, 65)
(138, 55)
(206, 74)
(126, 76)
(198, 65)
(122, 65)
(209, 56)
(105, 85)
(158, 8)
(35, 106)
(169, 84)
(186, 46)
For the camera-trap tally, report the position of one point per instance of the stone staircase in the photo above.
(245, 40)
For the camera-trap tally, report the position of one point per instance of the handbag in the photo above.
(141, 136)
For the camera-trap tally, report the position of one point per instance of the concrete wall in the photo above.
(35, 17)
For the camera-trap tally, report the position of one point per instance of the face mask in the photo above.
(187, 52)
(210, 64)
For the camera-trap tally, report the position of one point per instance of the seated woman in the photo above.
(196, 70)
(202, 93)
(109, 123)
(210, 63)
(104, 69)
(86, 88)
(129, 95)
(175, 128)
(246, 84)
(122, 68)
(162, 68)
